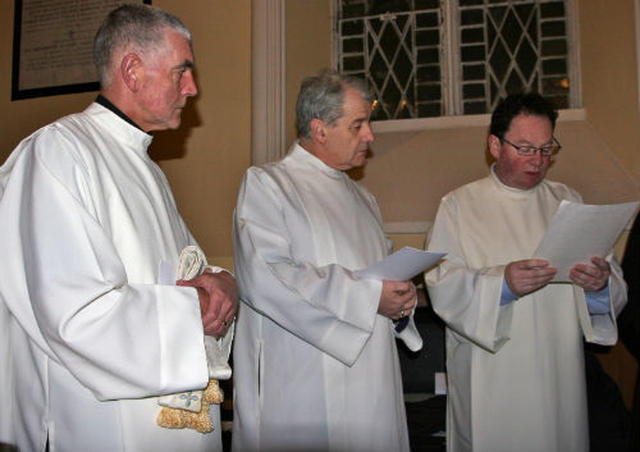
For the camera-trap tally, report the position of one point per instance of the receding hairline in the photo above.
(133, 28)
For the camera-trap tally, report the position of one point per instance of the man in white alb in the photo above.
(515, 364)
(316, 365)
(86, 218)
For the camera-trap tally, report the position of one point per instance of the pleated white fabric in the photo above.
(85, 219)
(515, 373)
(316, 368)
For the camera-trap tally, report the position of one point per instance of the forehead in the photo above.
(355, 106)
(527, 124)
(176, 49)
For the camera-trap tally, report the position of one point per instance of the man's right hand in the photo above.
(528, 275)
(218, 294)
(397, 300)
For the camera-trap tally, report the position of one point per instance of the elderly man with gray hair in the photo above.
(91, 333)
(316, 366)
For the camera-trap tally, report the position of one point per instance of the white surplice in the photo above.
(85, 219)
(516, 375)
(316, 368)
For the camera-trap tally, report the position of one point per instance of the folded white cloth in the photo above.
(191, 264)
(410, 335)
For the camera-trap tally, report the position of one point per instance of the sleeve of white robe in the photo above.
(602, 328)
(69, 291)
(324, 306)
(467, 299)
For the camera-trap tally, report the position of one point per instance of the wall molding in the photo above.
(268, 74)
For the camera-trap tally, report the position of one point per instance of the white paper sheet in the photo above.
(580, 231)
(402, 265)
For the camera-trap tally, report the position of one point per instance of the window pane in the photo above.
(470, 35)
(554, 47)
(352, 45)
(400, 48)
(516, 53)
(553, 28)
(429, 74)
(554, 66)
(474, 108)
(473, 72)
(471, 17)
(352, 27)
(353, 63)
(552, 9)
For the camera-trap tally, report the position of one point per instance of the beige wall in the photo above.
(409, 172)
(205, 159)
(609, 76)
(215, 140)
(308, 38)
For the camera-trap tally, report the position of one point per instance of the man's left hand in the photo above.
(591, 277)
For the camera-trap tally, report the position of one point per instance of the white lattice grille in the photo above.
(512, 46)
(420, 62)
(398, 52)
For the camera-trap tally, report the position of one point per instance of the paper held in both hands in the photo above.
(580, 231)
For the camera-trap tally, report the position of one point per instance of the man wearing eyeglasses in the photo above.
(514, 342)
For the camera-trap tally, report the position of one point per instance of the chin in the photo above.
(173, 125)
(360, 161)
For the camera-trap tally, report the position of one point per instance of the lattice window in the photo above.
(425, 58)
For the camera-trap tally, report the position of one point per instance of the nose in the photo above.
(367, 133)
(189, 88)
(537, 158)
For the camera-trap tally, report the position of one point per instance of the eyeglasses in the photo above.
(547, 150)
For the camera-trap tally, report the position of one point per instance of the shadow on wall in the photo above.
(409, 172)
(171, 144)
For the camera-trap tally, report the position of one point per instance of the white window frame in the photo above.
(452, 90)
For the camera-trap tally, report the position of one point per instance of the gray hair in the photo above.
(322, 96)
(141, 26)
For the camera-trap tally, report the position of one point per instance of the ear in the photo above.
(318, 130)
(495, 146)
(131, 71)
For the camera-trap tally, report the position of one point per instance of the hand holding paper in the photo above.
(528, 275)
(591, 277)
(579, 232)
(396, 271)
(396, 298)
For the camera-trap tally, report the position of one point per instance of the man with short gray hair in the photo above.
(87, 219)
(316, 365)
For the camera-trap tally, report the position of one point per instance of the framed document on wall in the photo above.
(53, 46)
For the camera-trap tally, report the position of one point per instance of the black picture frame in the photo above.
(51, 88)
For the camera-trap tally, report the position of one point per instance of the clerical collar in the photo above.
(106, 103)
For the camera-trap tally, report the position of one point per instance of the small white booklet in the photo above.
(580, 231)
(402, 265)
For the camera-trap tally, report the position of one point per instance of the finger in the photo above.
(532, 278)
(226, 314)
(186, 283)
(211, 328)
(531, 264)
(584, 271)
(588, 280)
(599, 262)
(213, 310)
